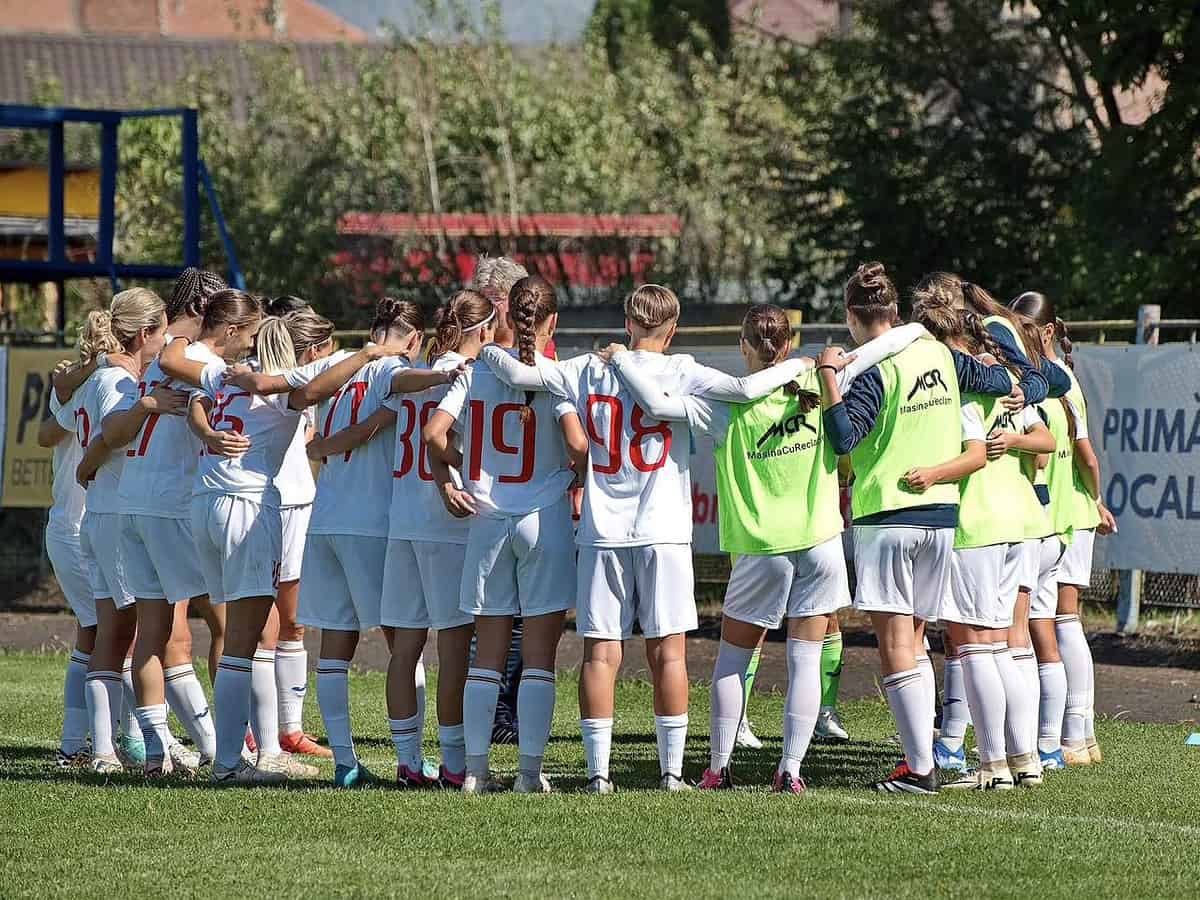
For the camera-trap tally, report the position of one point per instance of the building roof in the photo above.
(802, 21)
(111, 70)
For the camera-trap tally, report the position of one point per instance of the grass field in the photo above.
(1128, 827)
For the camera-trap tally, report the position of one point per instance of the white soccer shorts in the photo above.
(520, 565)
(983, 586)
(295, 531)
(902, 569)
(341, 581)
(1043, 604)
(653, 584)
(72, 573)
(1031, 561)
(764, 590)
(100, 543)
(1076, 565)
(238, 544)
(422, 582)
(160, 558)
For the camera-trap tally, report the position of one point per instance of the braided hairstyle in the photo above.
(464, 312)
(1037, 311)
(403, 315)
(767, 331)
(961, 294)
(193, 289)
(871, 295)
(530, 303)
(949, 323)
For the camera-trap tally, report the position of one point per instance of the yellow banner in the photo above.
(27, 467)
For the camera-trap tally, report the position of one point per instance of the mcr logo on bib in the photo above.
(787, 425)
(927, 382)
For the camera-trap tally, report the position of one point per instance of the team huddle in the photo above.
(475, 484)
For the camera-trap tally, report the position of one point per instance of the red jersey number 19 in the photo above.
(481, 422)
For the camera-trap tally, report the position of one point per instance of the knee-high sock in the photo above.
(231, 703)
(185, 696)
(535, 712)
(75, 711)
(728, 701)
(752, 672)
(406, 738)
(597, 745)
(103, 695)
(671, 733)
(291, 683)
(1027, 663)
(453, 746)
(479, 712)
(1052, 705)
(955, 709)
(913, 711)
(802, 704)
(1017, 703)
(928, 680)
(831, 669)
(264, 703)
(333, 697)
(129, 722)
(985, 694)
(1077, 660)
(419, 681)
(153, 722)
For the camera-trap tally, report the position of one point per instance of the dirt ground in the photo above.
(1141, 679)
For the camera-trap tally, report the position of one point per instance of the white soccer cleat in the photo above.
(829, 727)
(184, 761)
(986, 778)
(291, 766)
(271, 768)
(746, 737)
(1026, 770)
(673, 784)
(598, 784)
(473, 784)
(526, 784)
(106, 765)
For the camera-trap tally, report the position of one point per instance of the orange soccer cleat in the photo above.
(299, 742)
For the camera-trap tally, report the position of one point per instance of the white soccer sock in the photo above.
(671, 732)
(129, 722)
(535, 712)
(955, 710)
(406, 738)
(264, 703)
(419, 682)
(928, 679)
(75, 712)
(479, 711)
(231, 703)
(728, 702)
(291, 683)
(597, 745)
(333, 696)
(1017, 702)
(1027, 663)
(103, 695)
(802, 703)
(908, 698)
(1077, 661)
(1052, 705)
(454, 751)
(153, 722)
(185, 696)
(985, 694)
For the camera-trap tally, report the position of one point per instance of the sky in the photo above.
(525, 21)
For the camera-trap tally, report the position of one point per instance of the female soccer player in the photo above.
(896, 420)
(770, 458)
(62, 534)
(986, 568)
(1088, 515)
(137, 320)
(519, 558)
(426, 546)
(635, 528)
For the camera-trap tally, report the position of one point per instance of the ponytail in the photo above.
(1060, 332)
(274, 347)
(465, 312)
(1038, 310)
(191, 293)
(96, 336)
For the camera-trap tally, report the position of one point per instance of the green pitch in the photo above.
(1126, 828)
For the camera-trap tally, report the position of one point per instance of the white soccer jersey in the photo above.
(295, 478)
(105, 392)
(160, 462)
(66, 512)
(354, 490)
(511, 467)
(417, 512)
(268, 422)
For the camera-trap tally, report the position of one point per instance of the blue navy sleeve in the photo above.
(1034, 384)
(1056, 378)
(848, 422)
(976, 378)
